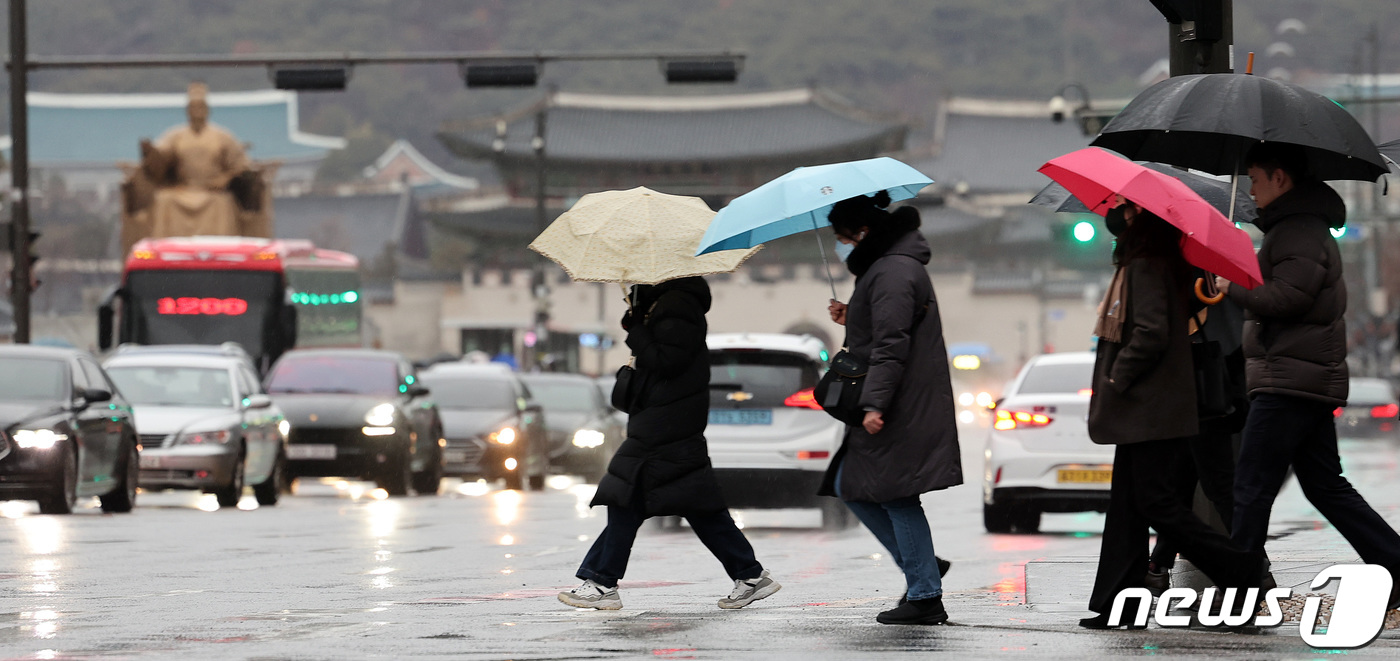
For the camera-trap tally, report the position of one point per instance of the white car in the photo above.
(1039, 457)
(770, 442)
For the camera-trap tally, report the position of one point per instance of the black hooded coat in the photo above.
(892, 323)
(663, 468)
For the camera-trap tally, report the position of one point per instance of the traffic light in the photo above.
(1083, 231)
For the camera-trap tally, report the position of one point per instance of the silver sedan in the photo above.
(205, 424)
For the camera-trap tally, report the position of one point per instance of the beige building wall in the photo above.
(1007, 323)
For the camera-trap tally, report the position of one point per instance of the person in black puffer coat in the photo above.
(663, 468)
(1296, 371)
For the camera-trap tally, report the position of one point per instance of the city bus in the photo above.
(267, 295)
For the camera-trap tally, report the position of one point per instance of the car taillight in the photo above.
(1008, 420)
(803, 399)
(1385, 411)
(813, 454)
(1337, 412)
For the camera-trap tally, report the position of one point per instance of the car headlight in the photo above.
(588, 438)
(41, 439)
(381, 415)
(285, 427)
(378, 431)
(505, 436)
(203, 437)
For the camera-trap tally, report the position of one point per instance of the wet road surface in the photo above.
(336, 572)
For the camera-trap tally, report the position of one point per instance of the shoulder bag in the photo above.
(840, 388)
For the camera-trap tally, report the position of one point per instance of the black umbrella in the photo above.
(1214, 192)
(1391, 152)
(1208, 122)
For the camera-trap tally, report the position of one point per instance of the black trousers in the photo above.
(606, 560)
(1143, 495)
(1283, 431)
(1209, 460)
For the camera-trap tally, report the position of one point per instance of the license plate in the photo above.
(311, 451)
(150, 462)
(1080, 476)
(741, 417)
(452, 457)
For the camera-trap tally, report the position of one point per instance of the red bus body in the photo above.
(265, 294)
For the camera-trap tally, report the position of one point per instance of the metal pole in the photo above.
(19, 172)
(541, 288)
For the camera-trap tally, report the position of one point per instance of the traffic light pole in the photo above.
(20, 277)
(1190, 54)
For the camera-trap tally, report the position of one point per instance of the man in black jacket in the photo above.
(1295, 345)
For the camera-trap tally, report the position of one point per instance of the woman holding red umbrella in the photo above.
(1144, 402)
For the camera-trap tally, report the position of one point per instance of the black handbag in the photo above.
(839, 389)
(1212, 390)
(625, 389)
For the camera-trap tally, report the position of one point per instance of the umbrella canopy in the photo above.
(800, 200)
(1215, 192)
(1208, 122)
(636, 236)
(1210, 241)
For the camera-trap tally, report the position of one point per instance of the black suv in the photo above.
(358, 413)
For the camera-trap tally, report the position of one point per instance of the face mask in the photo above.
(1115, 221)
(843, 250)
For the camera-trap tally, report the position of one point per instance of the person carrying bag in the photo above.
(892, 387)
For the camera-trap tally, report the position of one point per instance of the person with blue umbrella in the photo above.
(906, 441)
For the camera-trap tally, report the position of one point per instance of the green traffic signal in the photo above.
(1083, 231)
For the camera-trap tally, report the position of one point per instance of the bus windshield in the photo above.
(328, 306)
(202, 307)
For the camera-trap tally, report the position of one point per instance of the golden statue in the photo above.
(196, 180)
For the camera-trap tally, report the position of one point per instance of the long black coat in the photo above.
(663, 468)
(1295, 333)
(1153, 393)
(908, 381)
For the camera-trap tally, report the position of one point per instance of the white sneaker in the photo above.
(750, 590)
(592, 595)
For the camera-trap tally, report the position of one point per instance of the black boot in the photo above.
(918, 611)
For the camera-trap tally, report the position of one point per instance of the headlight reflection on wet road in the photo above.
(383, 521)
(41, 535)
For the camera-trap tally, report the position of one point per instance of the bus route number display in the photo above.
(201, 306)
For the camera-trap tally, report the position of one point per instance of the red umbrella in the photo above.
(1211, 241)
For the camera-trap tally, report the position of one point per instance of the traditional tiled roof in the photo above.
(629, 129)
(996, 146)
(403, 162)
(100, 129)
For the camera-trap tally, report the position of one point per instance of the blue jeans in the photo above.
(902, 528)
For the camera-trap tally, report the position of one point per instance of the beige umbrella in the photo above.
(636, 236)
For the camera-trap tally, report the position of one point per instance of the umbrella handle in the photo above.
(1200, 292)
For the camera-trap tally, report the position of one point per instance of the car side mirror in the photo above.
(258, 401)
(91, 396)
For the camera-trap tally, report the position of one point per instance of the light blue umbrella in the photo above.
(800, 200)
